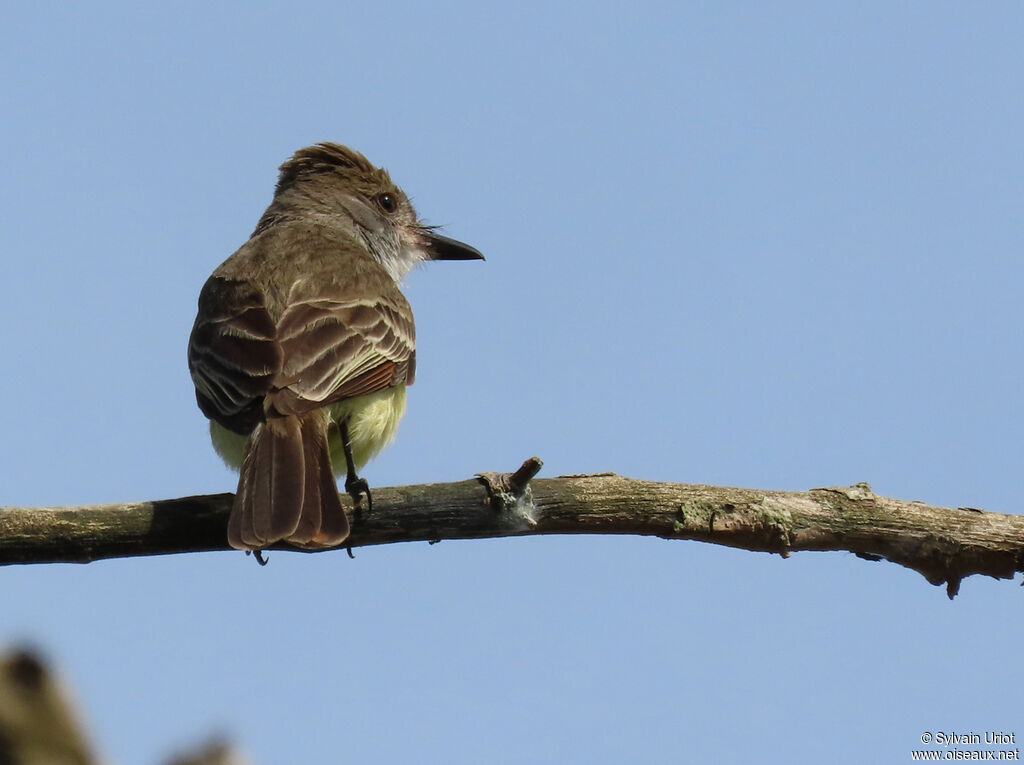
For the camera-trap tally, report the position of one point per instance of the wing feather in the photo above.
(329, 344)
(338, 346)
(232, 353)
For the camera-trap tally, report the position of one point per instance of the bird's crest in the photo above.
(325, 157)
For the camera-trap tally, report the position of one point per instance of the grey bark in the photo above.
(943, 544)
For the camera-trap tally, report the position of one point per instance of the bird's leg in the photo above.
(354, 485)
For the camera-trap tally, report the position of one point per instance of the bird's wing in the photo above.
(338, 343)
(232, 353)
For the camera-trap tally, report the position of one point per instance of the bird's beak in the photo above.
(440, 247)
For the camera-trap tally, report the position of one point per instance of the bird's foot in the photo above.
(258, 555)
(356, 488)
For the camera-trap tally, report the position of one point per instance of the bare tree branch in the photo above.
(943, 544)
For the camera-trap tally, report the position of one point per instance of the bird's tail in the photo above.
(286, 489)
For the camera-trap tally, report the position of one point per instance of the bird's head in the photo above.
(333, 183)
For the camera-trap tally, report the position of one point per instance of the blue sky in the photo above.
(763, 245)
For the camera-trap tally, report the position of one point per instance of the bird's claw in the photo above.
(356, 488)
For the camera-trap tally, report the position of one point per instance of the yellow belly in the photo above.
(372, 423)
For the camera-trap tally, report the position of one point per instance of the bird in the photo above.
(303, 345)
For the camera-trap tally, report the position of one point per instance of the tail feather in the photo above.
(279, 479)
(333, 523)
(286, 489)
(310, 515)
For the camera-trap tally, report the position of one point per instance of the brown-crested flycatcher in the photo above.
(304, 344)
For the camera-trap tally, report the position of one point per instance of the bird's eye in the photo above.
(387, 202)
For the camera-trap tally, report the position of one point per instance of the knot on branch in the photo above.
(510, 492)
(858, 491)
